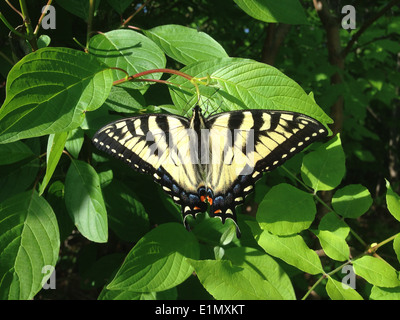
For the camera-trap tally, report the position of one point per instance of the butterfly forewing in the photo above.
(159, 145)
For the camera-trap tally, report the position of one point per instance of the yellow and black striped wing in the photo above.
(252, 142)
(159, 145)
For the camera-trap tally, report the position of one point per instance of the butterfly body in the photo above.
(212, 161)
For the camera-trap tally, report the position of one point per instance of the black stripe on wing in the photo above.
(278, 136)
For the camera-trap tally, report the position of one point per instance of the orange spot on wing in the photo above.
(210, 200)
(202, 198)
(217, 211)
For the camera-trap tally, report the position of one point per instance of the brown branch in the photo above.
(335, 57)
(366, 25)
(273, 41)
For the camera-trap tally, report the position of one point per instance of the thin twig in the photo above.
(41, 17)
(135, 13)
(16, 10)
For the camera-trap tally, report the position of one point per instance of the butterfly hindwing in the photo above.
(256, 141)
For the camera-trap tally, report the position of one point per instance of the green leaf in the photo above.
(55, 197)
(340, 291)
(284, 11)
(79, 8)
(185, 45)
(266, 266)
(84, 201)
(170, 294)
(17, 177)
(127, 216)
(49, 90)
(376, 272)
(385, 293)
(130, 51)
(159, 261)
(226, 281)
(392, 201)
(125, 100)
(29, 241)
(286, 210)
(291, 249)
(324, 168)
(352, 201)
(14, 152)
(244, 84)
(55, 147)
(331, 222)
(396, 246)
(119, 5)
(334, 246)
(74, 142)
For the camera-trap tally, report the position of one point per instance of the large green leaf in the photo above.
(392, 201)
(126, 214)
(291, 249)
(120, 5)
(227, 281)
(334, 246)
(128, 50)
(324, 168)
(184, 44)
(265, 266)
(17, 177)
(84, 201)
(48, 91)
(286, 210)
(55, 147)
(244, 84)
(74, 142)
(159, 261)
(14, 152)
(285, 11)
(29, 242)
(79, 8)
(339, 291)
(331, 222)
(396, 246)
(352, 201)
(376, 272)
(385, 293)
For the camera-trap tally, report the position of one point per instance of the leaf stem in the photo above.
(12, 29)
(314, 286)
(29, 30)
(140, 74)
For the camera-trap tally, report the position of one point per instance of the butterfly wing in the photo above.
(159, 145)
(254, 141)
